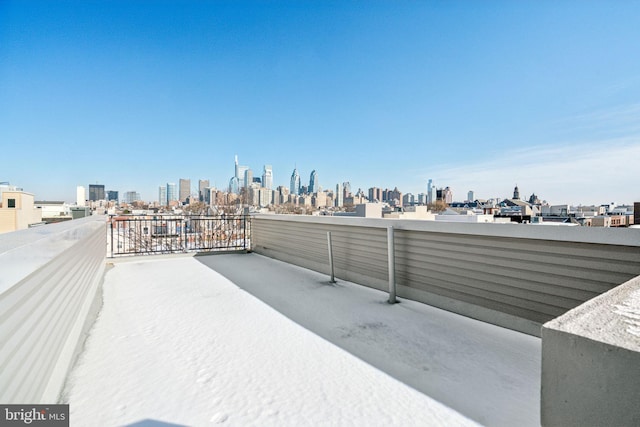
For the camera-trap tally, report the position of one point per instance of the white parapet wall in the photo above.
(49, 284)
(512, 275)
(591, 362)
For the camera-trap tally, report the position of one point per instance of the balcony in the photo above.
(265, 339)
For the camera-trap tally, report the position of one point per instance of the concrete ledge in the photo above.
(591, 362)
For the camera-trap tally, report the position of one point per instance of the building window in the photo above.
(11, 203)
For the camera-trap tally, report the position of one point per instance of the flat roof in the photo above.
(249, 340)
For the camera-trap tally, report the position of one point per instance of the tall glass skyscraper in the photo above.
(339, 197)
(294, 187)
(172, 192)
(267, 177)
(162, 195)
(96, 192)
(239, 176)
(313, 182)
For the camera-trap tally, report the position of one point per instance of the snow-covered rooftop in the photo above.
(274, 344)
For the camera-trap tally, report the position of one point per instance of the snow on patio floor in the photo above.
(176, 343)
(485, 372)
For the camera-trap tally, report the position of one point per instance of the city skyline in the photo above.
(476, 97)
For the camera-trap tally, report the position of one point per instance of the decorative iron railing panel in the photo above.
(163, 234)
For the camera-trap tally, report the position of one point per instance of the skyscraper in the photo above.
(131, 196)
(162, 195)
(294, 186)
(267, 177)
(313, 182)
(248, 178)
(172, 192)
(112, 195)
(81, 196)
(346, 189)
(339, 197)
(203, 184)
(185, 189)
(96, 192)
(431, 193)
(239, 174)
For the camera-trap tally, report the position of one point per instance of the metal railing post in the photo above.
(333, 277)
(392, 265)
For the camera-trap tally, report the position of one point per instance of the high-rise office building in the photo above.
(267, 177)
(294, 187)
(431, 193)
(239, 173)
(162, 195)
(112, 195)
(172, 192)
(339, 196)
(131, 196)
(203, 184)
(234, 185)
(470, 196)
(248, 178)
(346, 189)
(81, 196)
(375, 194)
(313, 182)
(185, 189)
(96, 192)
(447, 195)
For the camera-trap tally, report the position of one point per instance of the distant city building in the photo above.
(432, 194)
(339, 196)
(422, 198)
(185, 189)
(267, 177)
(516, 193)
(172, 192)
(313, 182)
(239, 173)
(408, 200)
(447, 195)
(248, 177)
(131, 196)
(319, 199)
(96, 192)
(470, 196)
(162, 195)
(282, 194)
(346, 189)
(203, 194)
(375, 194)
(81, 195)
(112, 195)
(294, 186)
(234, 185)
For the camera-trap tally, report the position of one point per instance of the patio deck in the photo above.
(274, 344)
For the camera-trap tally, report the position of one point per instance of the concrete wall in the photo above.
(48, 292)
(591, 362)
(513, 275)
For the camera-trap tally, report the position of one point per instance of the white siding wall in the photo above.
(44, 310)
(516, 276)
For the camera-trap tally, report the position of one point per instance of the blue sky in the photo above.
(474, 95)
